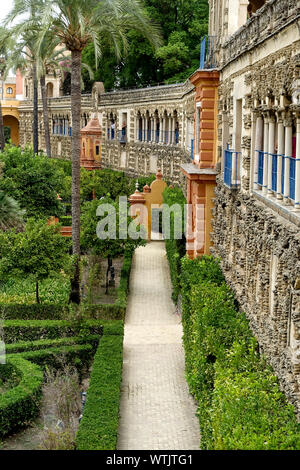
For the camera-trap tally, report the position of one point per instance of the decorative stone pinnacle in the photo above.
(159, 174)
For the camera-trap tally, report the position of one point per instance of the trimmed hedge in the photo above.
(24, 346)
(21, 403)
(33, 311)
(79, 355)
(98, 429)
(175, 248)
(66, 221)
(240, 402)
(31, 330)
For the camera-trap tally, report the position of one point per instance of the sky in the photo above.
(6, 6)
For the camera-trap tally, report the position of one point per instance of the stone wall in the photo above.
(260, 258)
(174, 103)
(255, 229)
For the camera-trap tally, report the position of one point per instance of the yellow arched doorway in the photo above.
(13, 124)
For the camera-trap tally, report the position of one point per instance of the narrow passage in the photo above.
(157, 411)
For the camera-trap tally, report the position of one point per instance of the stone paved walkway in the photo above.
(157, 412)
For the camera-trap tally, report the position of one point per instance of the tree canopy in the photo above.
(39, 251)
(32, 181)
(183, 24)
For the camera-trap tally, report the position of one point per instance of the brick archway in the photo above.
(13, 123)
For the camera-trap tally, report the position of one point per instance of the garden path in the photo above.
(157, 412)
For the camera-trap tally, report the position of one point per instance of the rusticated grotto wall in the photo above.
(260, 257)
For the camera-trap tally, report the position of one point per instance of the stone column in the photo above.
(172, 134)
(271, 147)
(136, 128)
(258, 146)
(160, 140)
(288, 153)
(152, 130)
(266, 146)
(163, 129)
(146, 128)
(280, 155)
(297, 173)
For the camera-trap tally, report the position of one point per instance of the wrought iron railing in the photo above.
(231, 168)
(207, 52)
(260, 177)
(155, 136)
(275, 159)
(274, 172)
(292, 178)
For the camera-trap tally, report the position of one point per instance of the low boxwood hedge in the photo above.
(240, 402)
(24, 346)
(175, 247)
(78, 355)
(98, 428)
(31, 330)
(21, 403)
(33, 311)
(66, 220)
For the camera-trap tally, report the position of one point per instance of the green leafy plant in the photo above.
(240, 402)
(38, 252)
(98, 428)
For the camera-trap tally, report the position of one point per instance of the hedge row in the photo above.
(240, 403)
(114, 311)
(24, 357)
(21, 403)
(31, 330)
(78, 355)
(24, 346)
(175, 247)
(98, 428)
(66, 220)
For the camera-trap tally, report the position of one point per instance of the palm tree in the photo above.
(23, 51)
(49, 58)
(3, 59)
(10, 213)
(76, 23)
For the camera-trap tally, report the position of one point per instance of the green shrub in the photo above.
(33, 311)
(33, 181)
(21, 403)
(250, 412)
(31, 330)
(240, 403)
(66, 221)
(60, 311)
(78, 355)
(98, 428)
(175, 248)
(20, 291)
(25, 346)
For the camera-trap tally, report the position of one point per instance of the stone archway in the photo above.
(49, 90)
(149, 204)
(13, 123)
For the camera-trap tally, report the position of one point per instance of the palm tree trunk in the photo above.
(76, 112)
(35, 112)
(2, 139)
(45, 115)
